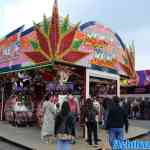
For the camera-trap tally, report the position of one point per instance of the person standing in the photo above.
(107, 103)
(82, 118)
(57, 108)
(75, 110)
(125, 106)
(64, 127)
(142, 106)
(116, 119)
(48, 120)
(96, 105)
(135, 109)
(129, 109)
(90, 117)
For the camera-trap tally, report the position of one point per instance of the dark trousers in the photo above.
(74, 124)
(92, 129)
(142, 114)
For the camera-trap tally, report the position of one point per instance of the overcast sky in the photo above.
(129, 18)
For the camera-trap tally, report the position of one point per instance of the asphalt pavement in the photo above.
(141, 123)
(6, 145)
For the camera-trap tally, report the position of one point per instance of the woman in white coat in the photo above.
(48, 120)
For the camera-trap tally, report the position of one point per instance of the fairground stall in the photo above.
(137, 93)
(56, 57)
(138, 86)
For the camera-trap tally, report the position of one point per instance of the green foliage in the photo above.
(76, 44)
(45, 25)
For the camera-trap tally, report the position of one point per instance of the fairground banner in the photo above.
(84, 45)
(21, 50)
(108, 50)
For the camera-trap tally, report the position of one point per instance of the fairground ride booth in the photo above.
(106, 64)
(57, 57)
(138, 87)
(137, 92)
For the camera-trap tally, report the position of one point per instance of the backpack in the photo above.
(91, 115)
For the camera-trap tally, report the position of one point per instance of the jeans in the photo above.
(63, 145)
(92, 129)
(115, 134)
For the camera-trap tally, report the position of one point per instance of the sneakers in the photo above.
(45, 142)
(96, 145)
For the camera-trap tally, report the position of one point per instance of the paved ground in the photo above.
(5, 145)
(141, 123)
(30, 136)
(145, 137)
(145, 124)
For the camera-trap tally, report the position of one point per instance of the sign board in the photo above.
(87, 48)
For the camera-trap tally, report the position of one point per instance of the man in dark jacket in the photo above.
(116, 119)
(90, 117)
(142, 103)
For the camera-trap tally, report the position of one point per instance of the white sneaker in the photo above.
(96, 145)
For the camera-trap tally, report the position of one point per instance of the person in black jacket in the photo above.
(116, 119)
(90, 118)
(64, 128)
(142, 103)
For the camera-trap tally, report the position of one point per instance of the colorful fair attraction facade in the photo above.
(91, 46)
(138, 87)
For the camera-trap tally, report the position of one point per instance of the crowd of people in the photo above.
(137, 108)
(108, 113)
(62, 123)
(65, 120)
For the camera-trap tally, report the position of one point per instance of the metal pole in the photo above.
(2, 103)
